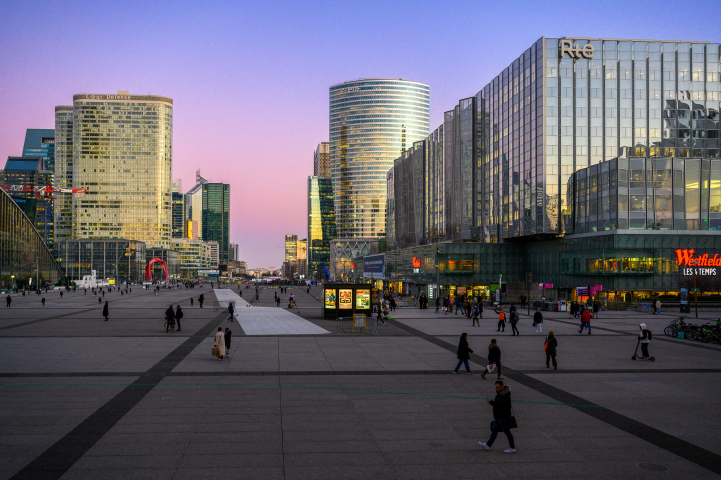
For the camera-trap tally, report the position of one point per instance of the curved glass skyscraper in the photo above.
(372, 121)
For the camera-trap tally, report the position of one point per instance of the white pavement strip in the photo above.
(266, 320)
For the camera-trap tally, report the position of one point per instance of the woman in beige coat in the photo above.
(220, 343)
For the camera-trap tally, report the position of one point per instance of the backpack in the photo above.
(650, 336)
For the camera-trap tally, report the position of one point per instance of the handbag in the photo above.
(507, 423)
(545, 345)
(215, 352)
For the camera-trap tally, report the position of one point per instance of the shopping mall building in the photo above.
(586, 162)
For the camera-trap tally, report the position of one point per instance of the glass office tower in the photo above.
(63, 177)
(569, 103)
(216, 217)
(40, 142)
(122, 149)
(321, 224)
(23, 254)
(291, 247)
(29, 171)
(372, 121)
(584, 153)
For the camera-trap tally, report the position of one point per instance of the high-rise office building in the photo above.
(178, 215)
(321, 224)
(372, 121)
(321, 160)
(63, 177)
(291, 247)
(216, 216)
(587, 162)
(40, 142)
(233, 252)
(29, 171)
(194, 208)
(122, 149)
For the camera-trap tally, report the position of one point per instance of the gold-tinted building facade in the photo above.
(122, 148)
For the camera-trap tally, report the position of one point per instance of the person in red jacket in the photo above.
(585, 321)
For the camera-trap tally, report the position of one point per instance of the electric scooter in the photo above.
(636, 357)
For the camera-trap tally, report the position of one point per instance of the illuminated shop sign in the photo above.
(576, 52)
(416, 262)
(691, 264)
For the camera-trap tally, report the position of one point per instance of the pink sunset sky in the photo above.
(250, 80)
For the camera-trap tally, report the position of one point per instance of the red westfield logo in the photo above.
(686, 258)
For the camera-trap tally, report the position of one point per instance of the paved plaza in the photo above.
(85, 398)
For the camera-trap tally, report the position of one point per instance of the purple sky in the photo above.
(250, 79)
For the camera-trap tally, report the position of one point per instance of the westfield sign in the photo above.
(689, 263)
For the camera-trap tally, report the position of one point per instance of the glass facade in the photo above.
(120, 260)
(216, 217)
(23, 254)
(29, 171)
(647, 194)
(372, 121)
(291, 248)
(40, 142)
(321, 160)
(575, 145)
(193, 255)
(178, 215)
(63, 170)
(321, 224)
(506, 169)
(122, 147)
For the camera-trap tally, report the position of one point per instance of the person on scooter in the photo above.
(645, 339)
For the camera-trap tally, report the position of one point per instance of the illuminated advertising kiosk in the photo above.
(346, 299)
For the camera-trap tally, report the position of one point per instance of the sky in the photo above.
(249, 80)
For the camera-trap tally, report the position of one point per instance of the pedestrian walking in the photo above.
(201, 299)
(61, 294)
(538, 321)
(463, 354)
(438, 304)
(43, 301)
(170, 318)
(227, 336)
(523, 301)
(220, 343)
(178, 316)
(231, 310)
(645, 339)
(585, 321)
(191, 301)
(475, 313)
(480, 309)
(445, 305)
(100, 300)
(277, 301)
(514, 321)
(596, 308)
(550, 348)
(494, 358)
(657, 304)
(503, 419)
(501, 321)
(392, 304)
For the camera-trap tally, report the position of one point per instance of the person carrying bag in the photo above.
(503, 418)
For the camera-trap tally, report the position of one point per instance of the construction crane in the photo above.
(43, 192)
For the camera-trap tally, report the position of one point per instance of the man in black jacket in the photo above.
(502, 415)
(494, 358)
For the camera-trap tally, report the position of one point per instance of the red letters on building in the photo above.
(416, 262)
(685, 258)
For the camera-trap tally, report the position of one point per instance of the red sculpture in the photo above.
(149, 269)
